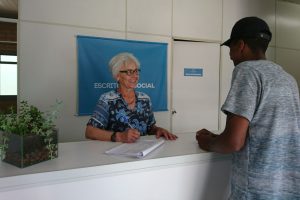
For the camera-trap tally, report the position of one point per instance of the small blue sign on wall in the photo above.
(193, 71)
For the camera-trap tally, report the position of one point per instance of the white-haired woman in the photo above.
(123, 115)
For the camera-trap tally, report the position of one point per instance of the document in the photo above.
(139, 149)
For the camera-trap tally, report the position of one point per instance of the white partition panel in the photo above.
(234, 10)
(289, 60)
(288, 25)
(105, 14)
(270, 54)
(195, 98)
(197, 19)
(48, 71)
(154, 17)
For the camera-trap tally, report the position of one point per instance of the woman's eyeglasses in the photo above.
(131, 72)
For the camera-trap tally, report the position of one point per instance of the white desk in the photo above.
(177, 170)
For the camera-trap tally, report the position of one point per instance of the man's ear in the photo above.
(241, 45)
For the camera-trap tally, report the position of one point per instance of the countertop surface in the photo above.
(87, 158)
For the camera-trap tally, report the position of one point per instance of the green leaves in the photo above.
(30, 120)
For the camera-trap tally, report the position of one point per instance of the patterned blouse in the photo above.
(112, 113)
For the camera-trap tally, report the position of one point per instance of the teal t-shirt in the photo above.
(268, 166)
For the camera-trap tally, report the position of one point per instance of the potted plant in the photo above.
(29, 136)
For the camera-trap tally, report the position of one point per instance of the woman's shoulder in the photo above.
(109, 96)
(142, 95)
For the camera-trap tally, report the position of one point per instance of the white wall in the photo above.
(287, 40)
(47, 45)
(197, 19)
(47, 48)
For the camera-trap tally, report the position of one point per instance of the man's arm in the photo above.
(232, 139)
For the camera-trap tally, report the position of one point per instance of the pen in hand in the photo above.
(130, 125)
(132, 133)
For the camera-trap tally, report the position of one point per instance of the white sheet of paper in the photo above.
(138, 149)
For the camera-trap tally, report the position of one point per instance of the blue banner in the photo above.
(94, 77)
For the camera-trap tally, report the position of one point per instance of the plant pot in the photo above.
(27, 150)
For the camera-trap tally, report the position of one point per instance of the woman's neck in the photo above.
(126, 93)
(129, 96)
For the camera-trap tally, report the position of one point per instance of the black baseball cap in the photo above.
(249, 27)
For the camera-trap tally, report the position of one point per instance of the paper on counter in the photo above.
(138, 149)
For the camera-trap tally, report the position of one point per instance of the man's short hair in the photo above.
(257, 44)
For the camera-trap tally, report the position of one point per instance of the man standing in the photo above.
(263, 120)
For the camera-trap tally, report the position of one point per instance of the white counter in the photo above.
(79, 162)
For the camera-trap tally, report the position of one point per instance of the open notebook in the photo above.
(138, 149)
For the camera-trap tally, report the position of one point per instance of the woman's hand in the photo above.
(129, 136)
(161, 132)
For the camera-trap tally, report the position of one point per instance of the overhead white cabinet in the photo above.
(197, 19)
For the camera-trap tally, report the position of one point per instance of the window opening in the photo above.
(8, 75)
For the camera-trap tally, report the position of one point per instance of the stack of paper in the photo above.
(138, 149)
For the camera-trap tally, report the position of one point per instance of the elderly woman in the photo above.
(123, 115)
